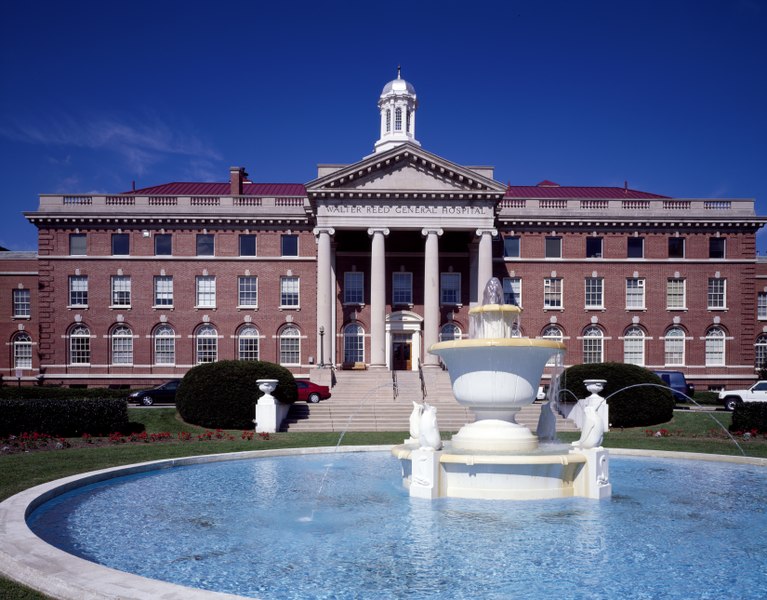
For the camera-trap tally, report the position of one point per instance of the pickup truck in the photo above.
(756, 393)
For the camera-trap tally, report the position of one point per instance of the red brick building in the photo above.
(371, 263)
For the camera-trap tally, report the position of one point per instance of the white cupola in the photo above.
(397, 104)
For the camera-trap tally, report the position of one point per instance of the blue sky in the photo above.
(670, 96)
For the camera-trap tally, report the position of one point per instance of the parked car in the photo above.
(756, 393)
(165, 392)
(676, 380)
(311, 392)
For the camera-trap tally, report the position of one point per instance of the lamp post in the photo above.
(322, 347)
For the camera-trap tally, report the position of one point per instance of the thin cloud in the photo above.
(140, 142)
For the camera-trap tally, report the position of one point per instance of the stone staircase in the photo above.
(366, 401)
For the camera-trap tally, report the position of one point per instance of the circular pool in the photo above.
(341, 526)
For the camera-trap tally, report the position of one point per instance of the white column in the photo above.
(325, 296)
(484, 260)
(378, 297)
(431, 314)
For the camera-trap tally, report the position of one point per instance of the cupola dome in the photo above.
(397, 105)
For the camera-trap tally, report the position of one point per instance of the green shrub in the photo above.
(65, 417)
(749, 416)
(223, 394)
(37, 392)
(636, 407)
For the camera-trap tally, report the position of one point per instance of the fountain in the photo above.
(495, 373)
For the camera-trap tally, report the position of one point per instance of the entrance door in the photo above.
(401, 352)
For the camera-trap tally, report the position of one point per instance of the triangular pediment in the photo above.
(406, 168)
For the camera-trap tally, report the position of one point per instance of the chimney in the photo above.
(237, 176)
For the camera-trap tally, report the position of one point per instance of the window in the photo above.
(715, 347)
(674, 346)
(22, 305)
(77, 244)
(22, 350)
(120, 244)
(247, 244)
(552, 292)
(717, 293)
(553, 247)
(593, 247)
(162, 244)
(450, 288)
(635, 298)
(247, 343)
(79, 345)
(289, 245)
(594, 292)
(675, 294)
(206, 344)
(290, 346)
(449, 331)
(163, 290)
(716, 247)
(512, 290)
(635, 247)
(633, 346)
(761, 305)
(555, 334)
(354, 282)
(402, 288)
(511, 247)
(206, 291)
(78, 290)
(676, 247)
(164, 345)
(122, 345)
(760, 348)
(205, 244)
(354, 343)
(593, 345)
(247, 290)
(388, 120)
(289, 292)
(120, 290)
(398, 119)
(407, 121)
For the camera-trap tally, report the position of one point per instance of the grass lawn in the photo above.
(687, 432)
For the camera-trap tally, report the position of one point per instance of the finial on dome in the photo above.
(399, 69)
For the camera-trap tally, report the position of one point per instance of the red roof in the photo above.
(191, 188)
(549, 189)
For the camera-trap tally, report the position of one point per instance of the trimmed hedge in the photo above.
(749, 416)
(222, 395)
(36, 392)
(636, 407)
(64, 417)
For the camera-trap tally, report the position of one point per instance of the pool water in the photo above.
(672, 529)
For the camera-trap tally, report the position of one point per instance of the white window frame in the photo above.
(716, 347)
(290, 292)
(22, 303)
(205, 291)
(247, 291)
(593, 345)
(290, 346)
(635, 293)
(164, 338)
(761, 306)
(674, 347)
(553, 298)
(22, 350)
(760, 351)
(354, 287)
(402, 294)
(634, 346)
(676, 299)
(450, 289)
(163, 291)
(248, 343)
(120, 291)
(354, 343)
(121, 344)
(78, 290)
(449, 332)
(512, 287)
(717, 293)
(206, 344)
(554, 333)
(79, 345)
(594, 289)
(283, 238)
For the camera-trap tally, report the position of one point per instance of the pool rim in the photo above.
(30, 561)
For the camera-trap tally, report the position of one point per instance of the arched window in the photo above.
(290, 345)
(715, 347)
(760, 348)
(122, 345)
(593, 345)
(22, 350)
(449, 331)
(407, 123)
(354, 343)
(388, 120)
(206, 340)
(164, 345)
(247, 343)
(633, 346)
(79, 345)
(674, 346)
(555, 334)
(398, 119)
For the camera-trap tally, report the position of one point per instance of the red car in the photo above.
(311, 392)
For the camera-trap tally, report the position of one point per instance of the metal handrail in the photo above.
(423, 381)
(394, 384)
